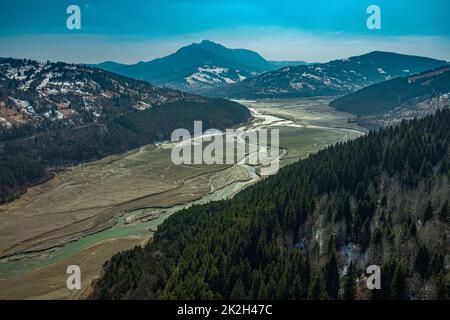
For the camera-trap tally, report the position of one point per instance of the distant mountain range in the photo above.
(199, 66)
(391, 101)
(211, 69)
(281, 64)
(333, 78)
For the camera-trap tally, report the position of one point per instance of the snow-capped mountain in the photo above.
(332, 78)
(35, 91)
(196, 67)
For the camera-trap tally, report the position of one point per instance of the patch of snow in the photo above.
(5, 123)
(296, 85)
(43, 83)
(141, 105)
(311, 76)
(57, 116)
(24, 105)
(241, 77)
(228, 80)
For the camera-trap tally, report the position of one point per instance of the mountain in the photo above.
(196, 66)
(333, 78)
(31, 91)
(405, 97)
(282, 64)
(54, 115)
(311, 231)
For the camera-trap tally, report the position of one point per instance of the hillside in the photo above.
(310, 231)
(403, 97)
(53, 115)
(196, 67)
(333, 78)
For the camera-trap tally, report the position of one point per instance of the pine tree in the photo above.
(332, 276)
(238, 291)
(437, 261)
(349, 285)
(444, 213)
(399, 286)
(441, 287)
(422, 261)
(317, 289)
(365, 234)
(413, 229)
(428, 214)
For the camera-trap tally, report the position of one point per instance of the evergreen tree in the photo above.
(238, 291)
(412, 229)
(444, 213)
(428, 214)
(441, 287)
(437, 261)
(349, 284)
(332, 276)
(422, 261)
(317, 289)
(399, 285)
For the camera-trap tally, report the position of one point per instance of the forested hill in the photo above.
(402, 92)
(310, 231)
(54, 115)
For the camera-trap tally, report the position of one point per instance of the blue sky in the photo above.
(129, 31)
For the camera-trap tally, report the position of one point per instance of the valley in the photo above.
(90, 212)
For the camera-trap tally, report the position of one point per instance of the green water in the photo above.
(121, 230)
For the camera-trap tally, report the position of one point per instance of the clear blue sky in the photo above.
(129, 31)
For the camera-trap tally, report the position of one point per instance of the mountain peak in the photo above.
(209, 42)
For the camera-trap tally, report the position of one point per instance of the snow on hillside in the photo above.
(214, 75)
(37, 91)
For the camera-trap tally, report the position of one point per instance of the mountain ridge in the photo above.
(336, 77)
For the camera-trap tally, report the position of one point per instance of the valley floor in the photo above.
(90, 212)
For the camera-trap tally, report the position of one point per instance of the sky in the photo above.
(141, 30)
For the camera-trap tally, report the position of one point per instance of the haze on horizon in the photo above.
(313, 31)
